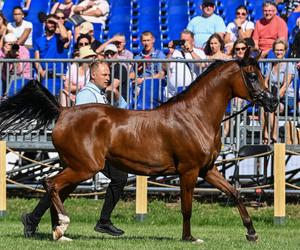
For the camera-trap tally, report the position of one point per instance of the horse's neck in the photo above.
(209, 98)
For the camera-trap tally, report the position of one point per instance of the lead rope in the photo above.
(237, 113)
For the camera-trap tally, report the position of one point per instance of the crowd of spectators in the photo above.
(206, 37)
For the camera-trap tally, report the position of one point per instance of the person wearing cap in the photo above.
(93, 11)
(119, 40)
(207, 24)
(21, 28)
(87, 28)
(51, 45)
(77, 76)
(12, 50)
(118, 71)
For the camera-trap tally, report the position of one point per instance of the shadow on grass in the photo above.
(48, 237)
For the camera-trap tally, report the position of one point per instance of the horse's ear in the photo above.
(258, 55)
(247, 53)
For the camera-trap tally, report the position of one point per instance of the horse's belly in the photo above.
(142, 167)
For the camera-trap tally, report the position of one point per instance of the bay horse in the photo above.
(180, 137)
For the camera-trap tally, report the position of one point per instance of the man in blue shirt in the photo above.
(207, 24)
(51, 45)
(149, 70)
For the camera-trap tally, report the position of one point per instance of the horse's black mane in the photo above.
(211, 67)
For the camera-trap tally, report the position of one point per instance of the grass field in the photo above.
(219, 226)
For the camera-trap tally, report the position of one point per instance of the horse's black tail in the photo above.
(34, 104)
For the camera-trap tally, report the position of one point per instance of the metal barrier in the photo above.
(241, 130)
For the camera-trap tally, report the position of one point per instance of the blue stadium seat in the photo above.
(151, 94)
(53, 85)
(8, 8)
(15, 86)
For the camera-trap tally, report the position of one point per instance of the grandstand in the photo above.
(165, 18)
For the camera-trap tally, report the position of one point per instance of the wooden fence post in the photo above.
(141, 197)
(2, 178)
(279, 183)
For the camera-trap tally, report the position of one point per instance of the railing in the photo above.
(245, 128)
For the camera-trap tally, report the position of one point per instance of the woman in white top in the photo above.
(240, 28)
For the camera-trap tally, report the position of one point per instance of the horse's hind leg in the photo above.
(215, 178)
(54, 185)
(63, 194)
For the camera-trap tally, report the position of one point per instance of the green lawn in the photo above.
(219, 226)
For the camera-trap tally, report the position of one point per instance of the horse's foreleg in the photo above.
(187, 184)
(215, 178)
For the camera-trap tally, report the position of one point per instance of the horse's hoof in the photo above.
(64, 238)
(253, 237)
(57, 233)
(193, 240)
(197, 241)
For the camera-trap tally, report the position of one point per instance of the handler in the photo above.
(93, 92)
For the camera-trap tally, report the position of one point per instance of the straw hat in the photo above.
(86, 51)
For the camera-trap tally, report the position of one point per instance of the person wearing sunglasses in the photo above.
(207, 24)
(240, 28)
(239, 48)
(61, 18)
(279, 77)
(51, 45)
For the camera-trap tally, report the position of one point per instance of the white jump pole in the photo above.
(2, 178)
(279, 183)
(141, 197)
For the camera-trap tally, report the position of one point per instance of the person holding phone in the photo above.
(182, 74)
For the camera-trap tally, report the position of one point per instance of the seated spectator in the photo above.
(239, 48)
(207, 24)
(61, 18)
(182, 74)
(65, 7)
(269, 28)
(83, 40)
(118, 71)
(214, 48)
(77, 76)
(51, 45)
(3, 28)
(149, 69)
(119, 40)
(14, 71)
(240, 28)
(279, 78)
(21, 28)
(88, 28)
(94, 11)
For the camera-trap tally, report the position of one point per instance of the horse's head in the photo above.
(254, 83)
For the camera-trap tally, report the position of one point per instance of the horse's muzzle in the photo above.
(268, 101)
